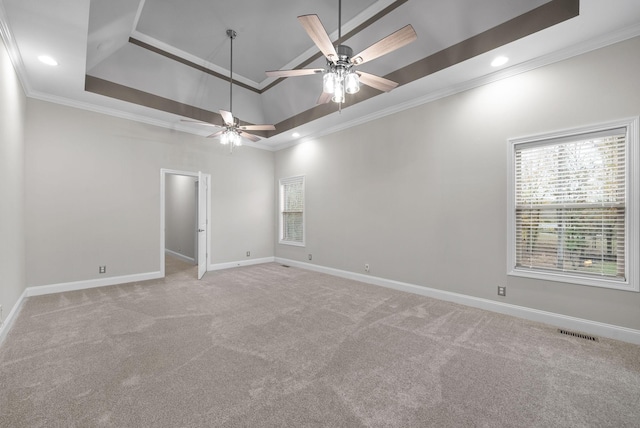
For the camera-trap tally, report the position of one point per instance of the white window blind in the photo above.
(570, 202)
(292, 210)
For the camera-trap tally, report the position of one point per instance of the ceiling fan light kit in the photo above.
(230, 136)
(340, 77)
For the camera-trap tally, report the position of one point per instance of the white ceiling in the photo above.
(153, 48)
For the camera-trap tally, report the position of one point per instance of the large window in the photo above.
(573, 200)
(292, 210)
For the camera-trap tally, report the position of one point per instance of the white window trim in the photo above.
(281, 184)
(632, 214)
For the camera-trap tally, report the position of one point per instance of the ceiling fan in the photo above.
(233, 132)
(340, 75)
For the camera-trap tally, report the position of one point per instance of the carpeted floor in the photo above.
(270, 346)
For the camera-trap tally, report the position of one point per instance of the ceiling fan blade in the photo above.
(258, 128)
(215, 134)
(318, 34)
(251, 137)
(227, 117)
(377, 82)
(200, 122)
(393, 41)
(324, 98)
(294, 73)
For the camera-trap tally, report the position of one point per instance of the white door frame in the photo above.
(163, 174)
(202, 223)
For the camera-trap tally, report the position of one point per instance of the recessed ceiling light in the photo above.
(295, 134)
(46, 59)
(501, 60)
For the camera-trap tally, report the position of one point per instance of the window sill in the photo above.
(573, 279)
(292, 243)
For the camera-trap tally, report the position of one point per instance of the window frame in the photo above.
(632, 211)
(282, 182)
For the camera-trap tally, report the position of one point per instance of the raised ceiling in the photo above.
(159, 61)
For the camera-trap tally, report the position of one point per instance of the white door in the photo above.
(203, 227)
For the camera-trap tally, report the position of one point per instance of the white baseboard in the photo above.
(91, 283)
(228, 265)
(563, 321)
(69, 286)
(8, 321)
(181, 256)
(102, 282)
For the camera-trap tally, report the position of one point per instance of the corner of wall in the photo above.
(12, 186)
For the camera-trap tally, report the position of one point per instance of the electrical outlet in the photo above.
(502, 291)
(248, 253)
(102, 269)
(366, 267)
(310, 256)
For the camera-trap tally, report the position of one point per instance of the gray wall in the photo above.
(180, 218)
(12, 243)
(93, 194)
(421, 195)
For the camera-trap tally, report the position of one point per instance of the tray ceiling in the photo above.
(159, 61)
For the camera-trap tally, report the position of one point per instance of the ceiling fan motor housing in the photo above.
(344, 52)
(343, 63)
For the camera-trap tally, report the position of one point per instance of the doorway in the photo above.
(185, 217)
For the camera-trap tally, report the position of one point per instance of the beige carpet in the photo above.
(270, 346)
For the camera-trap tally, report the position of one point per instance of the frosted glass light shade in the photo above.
(352, 83)
(329, 82)
(338, 95)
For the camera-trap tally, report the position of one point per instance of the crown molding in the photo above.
(582, 48)
(129, 116)
(587, 46)
(12, 48)
(558, 56)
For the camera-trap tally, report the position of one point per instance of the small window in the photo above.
(573, 206)
(292, 211)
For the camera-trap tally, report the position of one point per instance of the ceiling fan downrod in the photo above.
(232, 35)
(231, 135)
(232, 132)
